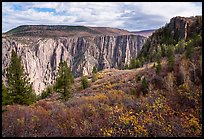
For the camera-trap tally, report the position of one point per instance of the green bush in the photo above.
(180, 47)
(163, 50)
(144, 86)
(84, 82)
(171, 61)
(126, 67)
(134, 92)
(48, 91)
(94, 71)
(189, 49)
(135, 63)
(158, 67)
(170, 51)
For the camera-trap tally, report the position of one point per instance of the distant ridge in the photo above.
(63, 31)
(145, 33)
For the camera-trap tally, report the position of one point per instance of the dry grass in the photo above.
(109, 108)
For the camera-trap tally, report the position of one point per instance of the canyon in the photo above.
(42, 48)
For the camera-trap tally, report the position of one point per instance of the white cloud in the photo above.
(171, 9)
(126, 15)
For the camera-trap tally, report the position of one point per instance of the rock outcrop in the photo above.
(42, 55)
(178, 28)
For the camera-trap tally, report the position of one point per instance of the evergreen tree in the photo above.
(189, 49)
(144, 86)
(64, 80)
(163, 50)
(180, 47)
(6, 100)
(126, 66)
(138, 63)
(84, 82)
(171, 61)
(94, 70)
(142, 61)
(132, 63)
(170, 51)
(158, 67)
(19, 88)
(48, 91)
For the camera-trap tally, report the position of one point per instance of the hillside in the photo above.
(119, 104)
(157, 94)
(63, 31)
(179, 28)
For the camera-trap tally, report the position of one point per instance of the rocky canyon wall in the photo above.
(41, 56)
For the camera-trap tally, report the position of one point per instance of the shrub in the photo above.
(94, 77)
(158, 82)
(144, 86)
(189, 49)
(142, 61)
(48, 91)
(84, 82)
(158, 67)
(154, 65)
(170, 51)
(94, 71)
(134, 63)
(180, 47)
(171, 61)
(99, 75)
(138, 63)
(163, 50)
(134, 92)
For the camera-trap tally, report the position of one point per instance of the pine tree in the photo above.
(158, 67)
(6, 100)
(94, 70)
(19, 88)
(132, 63)
(64, 80)
(189, 49)
(171, 61)
(163, 50)
(137, 63)
(170, 51)
(84, 82)
(180, 47)
(144, 86)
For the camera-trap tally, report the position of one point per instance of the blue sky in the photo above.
(132, 16)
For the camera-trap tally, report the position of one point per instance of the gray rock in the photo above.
(41, 56)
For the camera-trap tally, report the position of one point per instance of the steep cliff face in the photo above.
(41, 56)
(178, 28)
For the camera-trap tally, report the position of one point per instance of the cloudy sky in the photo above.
(125, 15)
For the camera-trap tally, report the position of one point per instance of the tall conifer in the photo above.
(19, 87)
(64, 80)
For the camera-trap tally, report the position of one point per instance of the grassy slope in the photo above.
(114, 105)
